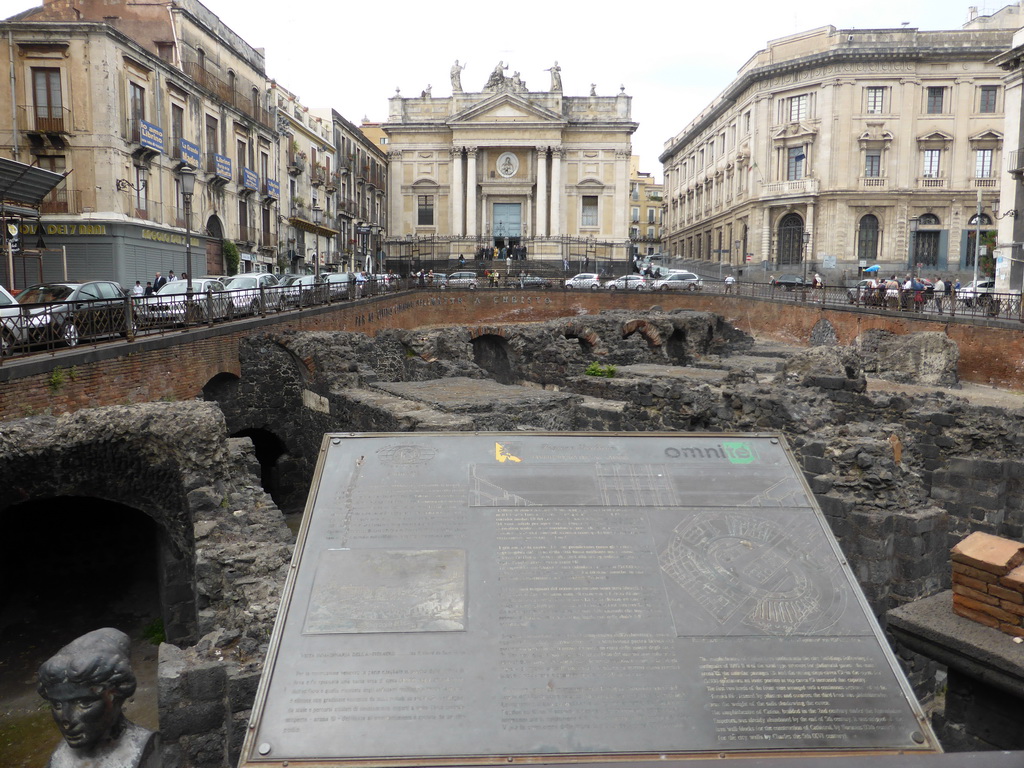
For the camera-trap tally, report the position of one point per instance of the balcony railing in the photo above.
(1015, 161)
(44, 119)
(62, 201)
(985, 183)
(790, 188)
(931, 182)
(873, 182)
(246, 233)
(268, 240)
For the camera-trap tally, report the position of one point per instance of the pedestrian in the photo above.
(138, 290)
(462, 260)
(730, 281)
(159, 282)
(149, 288)
(939, 292)
(170, 276)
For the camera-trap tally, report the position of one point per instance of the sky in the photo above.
(673, 57)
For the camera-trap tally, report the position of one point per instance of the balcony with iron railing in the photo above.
(62, 201)
(246, 234)
(268, 240)
(43, 118)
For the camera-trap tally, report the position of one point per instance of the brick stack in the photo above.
(988, 582)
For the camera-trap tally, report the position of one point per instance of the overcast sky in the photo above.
(672, 56)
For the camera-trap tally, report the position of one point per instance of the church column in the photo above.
(809, 229)
(458, 195)
(620, 224)
(557, 193)
(542, 192)
(766, 239)
(471, 226)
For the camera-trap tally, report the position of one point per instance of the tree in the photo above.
(230, 251)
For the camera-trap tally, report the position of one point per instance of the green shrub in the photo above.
(596, 369)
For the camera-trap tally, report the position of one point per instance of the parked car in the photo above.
(462, 279)
(628, 283)
(678, 281)
(980, 293)
(532, 281)
(12, 326)
(789, 282)
(339, 284)
(70, 312)
(863, 293)
(168, 305)
(584, 281)
(304, 290)
(245, 292)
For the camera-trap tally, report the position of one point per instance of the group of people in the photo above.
(154, 285)
(513, 252)
(912, 293)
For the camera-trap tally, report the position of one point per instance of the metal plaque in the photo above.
(475, 597)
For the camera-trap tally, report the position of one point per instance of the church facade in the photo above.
(506, 167)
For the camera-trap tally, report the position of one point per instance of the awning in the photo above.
(25, 185)
(309, 226)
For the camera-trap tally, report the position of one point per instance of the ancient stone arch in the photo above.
(648, 330)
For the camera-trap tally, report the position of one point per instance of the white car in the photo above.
(584, 281)
(678, 281)
(168, 304)
(629, 283)
(980, 293)
(245, 292)
(463, 279)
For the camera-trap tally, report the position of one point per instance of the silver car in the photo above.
(12, 327)
(678, 281)
(463, 279)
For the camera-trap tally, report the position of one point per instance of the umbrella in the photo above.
(872, 268)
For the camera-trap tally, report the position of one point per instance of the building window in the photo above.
(795, 163)
(650, 215)
(867, 238)
(650, 232)
(425, 210)
(798, 108)
(177, 129)
(48, 100)
(212, 143)
(931, 163)
(137, 105)
(746, 122)
(987, 95)
(875, 100)
(589, 211)
(873, 164)
(936, 96)
(634, 214)
(983, 164)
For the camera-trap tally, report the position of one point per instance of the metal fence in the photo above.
(28, 329)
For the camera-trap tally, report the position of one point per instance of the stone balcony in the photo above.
(795, 188)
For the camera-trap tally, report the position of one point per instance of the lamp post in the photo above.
(317, 211)
(915, 222)
(806, 239)
(977, 246)
(188, 188)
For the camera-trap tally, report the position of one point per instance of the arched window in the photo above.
(867, 238)
(791, 239)
(928, 220)
(255, 100)
(985, 220)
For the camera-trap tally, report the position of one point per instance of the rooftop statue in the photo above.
(556, 78)
(497, 80)
(456, 75)
(86, 683)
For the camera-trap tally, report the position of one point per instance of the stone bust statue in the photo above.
(86, 683)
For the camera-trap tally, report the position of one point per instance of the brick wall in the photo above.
(988, 582)
(176, 366)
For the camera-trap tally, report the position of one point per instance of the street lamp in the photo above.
(915, 222)
(806, 239)
(317, 211)
(188, 188)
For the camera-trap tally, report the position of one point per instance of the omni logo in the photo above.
(734, 453)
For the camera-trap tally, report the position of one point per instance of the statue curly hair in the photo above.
(98, 659)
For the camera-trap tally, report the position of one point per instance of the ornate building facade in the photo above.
(645, 210)
(834, 150)
(123, 95)
(505, 166)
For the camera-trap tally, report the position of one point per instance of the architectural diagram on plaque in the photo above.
(478, 596)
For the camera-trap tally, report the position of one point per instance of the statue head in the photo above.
(86, 683)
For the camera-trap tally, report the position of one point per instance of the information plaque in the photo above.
(480, 597)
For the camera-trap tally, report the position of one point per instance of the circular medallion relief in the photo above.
(508, 164)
